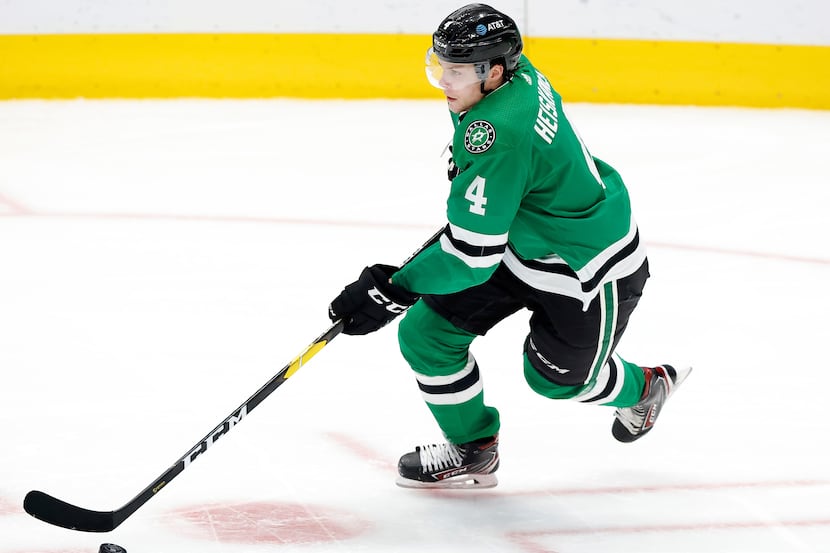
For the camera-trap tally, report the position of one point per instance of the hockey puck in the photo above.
(111, 548)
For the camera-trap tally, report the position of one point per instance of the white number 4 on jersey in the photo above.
(475, 194)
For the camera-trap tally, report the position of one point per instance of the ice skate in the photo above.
(454, 466)
(632, 423)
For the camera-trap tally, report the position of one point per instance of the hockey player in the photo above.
(534, 221)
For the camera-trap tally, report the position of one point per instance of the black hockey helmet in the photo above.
(478, 33)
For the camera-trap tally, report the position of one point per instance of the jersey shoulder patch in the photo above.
(479, 136)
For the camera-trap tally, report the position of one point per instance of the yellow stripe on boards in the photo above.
(391, 66)
(213, 66)
(698, 73)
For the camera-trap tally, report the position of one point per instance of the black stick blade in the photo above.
(60, 513)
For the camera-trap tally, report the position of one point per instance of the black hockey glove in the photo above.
(370, 302)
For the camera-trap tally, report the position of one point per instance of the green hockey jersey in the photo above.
(528, 194)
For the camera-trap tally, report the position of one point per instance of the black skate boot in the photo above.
(470, 465)
(632, 423)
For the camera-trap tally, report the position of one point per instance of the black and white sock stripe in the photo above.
(454, 388)
(607, 385)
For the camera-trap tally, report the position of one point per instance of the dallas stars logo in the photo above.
(479, 137)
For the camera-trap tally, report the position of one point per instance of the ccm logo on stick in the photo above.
(223, 428)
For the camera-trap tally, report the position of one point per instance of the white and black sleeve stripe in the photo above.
(476, 250)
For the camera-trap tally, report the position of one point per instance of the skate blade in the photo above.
(465, 482)
(682, 374)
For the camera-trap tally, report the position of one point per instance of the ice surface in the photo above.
(159, 261)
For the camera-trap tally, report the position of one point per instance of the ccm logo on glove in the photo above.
(370, 302)
(390, 306)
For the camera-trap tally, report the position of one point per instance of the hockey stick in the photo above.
(60, 513)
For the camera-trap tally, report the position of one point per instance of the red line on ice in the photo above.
(15, 207)
(21, 211)
(528, 543)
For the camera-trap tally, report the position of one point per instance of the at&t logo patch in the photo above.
(479, 137)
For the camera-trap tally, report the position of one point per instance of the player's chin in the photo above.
(453, 104)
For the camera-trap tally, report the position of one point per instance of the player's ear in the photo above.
(497, 71)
